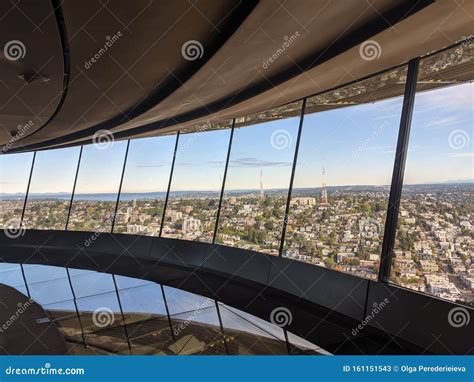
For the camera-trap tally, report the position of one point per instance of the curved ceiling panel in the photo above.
(126, 56)
(31, 67)
(130, 75)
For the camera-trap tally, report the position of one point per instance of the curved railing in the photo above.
(327, 307)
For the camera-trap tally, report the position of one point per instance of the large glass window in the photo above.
(343, 174)
(97, 186)
(258, 177)
(144, 185)
(196, 185)
(14, 174)
(434, 243)
(51, 187)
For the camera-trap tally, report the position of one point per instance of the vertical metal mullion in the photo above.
(169, 184)
(77, 309)
(287, 341)
(24, 279)
(120, 187)
(224, 178)
(398, 171)
(67, 269)
(167, 312)
(222, 327)
(74, 187)
(27, 189)
(292, 178)
(123, 315)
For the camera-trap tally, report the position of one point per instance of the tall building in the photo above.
(191, 225)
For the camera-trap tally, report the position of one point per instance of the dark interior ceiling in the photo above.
(141, 83)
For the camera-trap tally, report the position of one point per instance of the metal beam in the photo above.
(398, 172)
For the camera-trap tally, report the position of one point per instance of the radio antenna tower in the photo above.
(324, 191)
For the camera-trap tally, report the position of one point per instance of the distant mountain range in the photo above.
(127, 196)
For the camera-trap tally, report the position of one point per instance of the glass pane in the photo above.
(180, 301)
(433, 249)
(102, 323)
(124, 282)
(43, 273)
(196, 185)
(14, 174)
(244, 338)
(52, 291)
(343, 175)
(51, 189)
(299, 345)
(145, 316)
(144, 186)
(92, 283)
(99, 312)
(97, 187)
(257, 183)
(64, 315)
(11, 275)
(142, 302)
(198, 332)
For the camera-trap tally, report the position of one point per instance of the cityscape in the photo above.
(334, 227)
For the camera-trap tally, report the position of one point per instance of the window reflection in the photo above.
(196, 185)
(65, 316)
(97, 318)
(198, 332)
(14, 173)
(434, 242)
(11, 275)
(243, 336)
(97, 187)
(144, 186)
(51, 187)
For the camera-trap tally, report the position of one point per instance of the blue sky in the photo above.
(356, 144)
